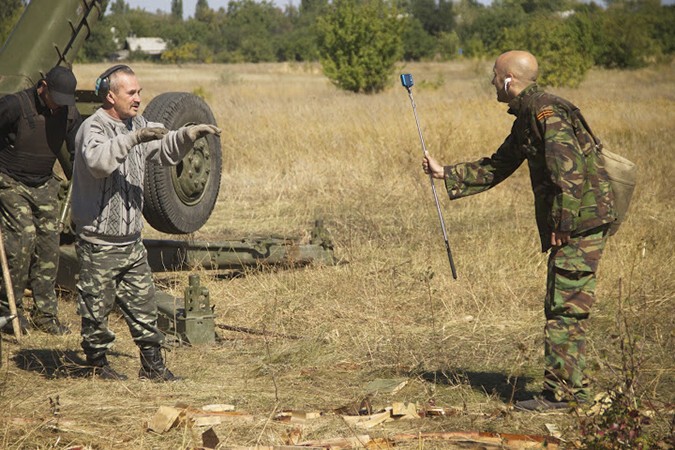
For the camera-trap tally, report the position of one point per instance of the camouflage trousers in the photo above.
(29, 219)
(115, 276)
(570, 293)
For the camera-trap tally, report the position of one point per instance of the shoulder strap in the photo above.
(27, 108)
(596, 140)
(576, 112)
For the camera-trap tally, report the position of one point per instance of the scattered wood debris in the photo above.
(485, 439)
(397, 411)
(361, 407)
(168, 417)
(438, 411)
(553, 430)
(164, 419)
(386, 385)
(297, 416)
(453, 439)
(210, 439)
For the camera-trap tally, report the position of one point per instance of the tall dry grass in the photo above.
(294, 149)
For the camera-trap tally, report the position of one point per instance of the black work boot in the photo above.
(153, 368)
(100, 368)
(50, 325)
(546, 401)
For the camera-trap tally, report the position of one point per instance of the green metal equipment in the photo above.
(50, 33)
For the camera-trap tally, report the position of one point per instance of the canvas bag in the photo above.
(622, 175)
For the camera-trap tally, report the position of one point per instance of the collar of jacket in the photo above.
(40, 106)
(517, 104)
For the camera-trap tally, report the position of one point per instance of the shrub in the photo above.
(360, 43)
(560, 45)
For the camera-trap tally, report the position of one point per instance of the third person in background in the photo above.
(34, 124)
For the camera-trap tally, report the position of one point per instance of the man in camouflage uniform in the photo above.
(34, 124)
(573, 207)
(112, 147)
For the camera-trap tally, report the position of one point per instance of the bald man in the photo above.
(573, 208)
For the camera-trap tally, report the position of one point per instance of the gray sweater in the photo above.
(108, 173)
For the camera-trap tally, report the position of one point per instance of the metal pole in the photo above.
(433, 186)
(8, 287)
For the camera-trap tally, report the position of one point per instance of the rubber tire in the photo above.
(165, 209)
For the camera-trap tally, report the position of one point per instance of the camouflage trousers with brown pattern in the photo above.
(29, 220)
(570, 293)
(112, 276)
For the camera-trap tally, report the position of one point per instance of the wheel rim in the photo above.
(191, 175)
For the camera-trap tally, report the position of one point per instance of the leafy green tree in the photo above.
(188, 52)
(177, 9)
(119, 7)
(202, 11)
(625, 38)
(448, 45)
(482, 30)
(252, 30)
(300, 41)
(360, 44)
(562, 47)
(10, 11)
(417, 43)
(99, 46)
(662, 25)
(436, 16)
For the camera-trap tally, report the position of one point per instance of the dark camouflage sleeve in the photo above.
(564, 163)
(471, 178)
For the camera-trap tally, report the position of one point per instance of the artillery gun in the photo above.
(178, 200)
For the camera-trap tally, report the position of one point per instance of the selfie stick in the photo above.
(407, 82)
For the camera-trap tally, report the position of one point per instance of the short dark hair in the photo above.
(114, 75)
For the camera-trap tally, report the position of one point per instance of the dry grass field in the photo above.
(295, 149)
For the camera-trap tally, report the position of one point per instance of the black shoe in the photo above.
(153, 368)
(51, 325)
(23, 323)
(541, 404)
(100, 368)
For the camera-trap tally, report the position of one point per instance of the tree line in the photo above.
(359, 41)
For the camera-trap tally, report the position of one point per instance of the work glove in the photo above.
(148, 134)
(195, 132)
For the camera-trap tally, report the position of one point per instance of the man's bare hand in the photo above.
(149, 134)
(195, 132)
(432, 167)
(560, 238)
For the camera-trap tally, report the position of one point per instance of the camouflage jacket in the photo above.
(570, 185)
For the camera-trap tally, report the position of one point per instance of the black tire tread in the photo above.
(163, 210)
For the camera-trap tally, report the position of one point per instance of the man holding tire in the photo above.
(112, 148)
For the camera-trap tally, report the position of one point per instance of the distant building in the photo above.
(151, 46)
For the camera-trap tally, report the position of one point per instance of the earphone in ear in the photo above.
(507, 81)
(102, 85)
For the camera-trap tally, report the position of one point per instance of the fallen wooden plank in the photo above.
(496, 440)
(164, 419)
(338, 443)
(276, 447)
(297, 416)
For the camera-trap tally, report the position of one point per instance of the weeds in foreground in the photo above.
(618, 417)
